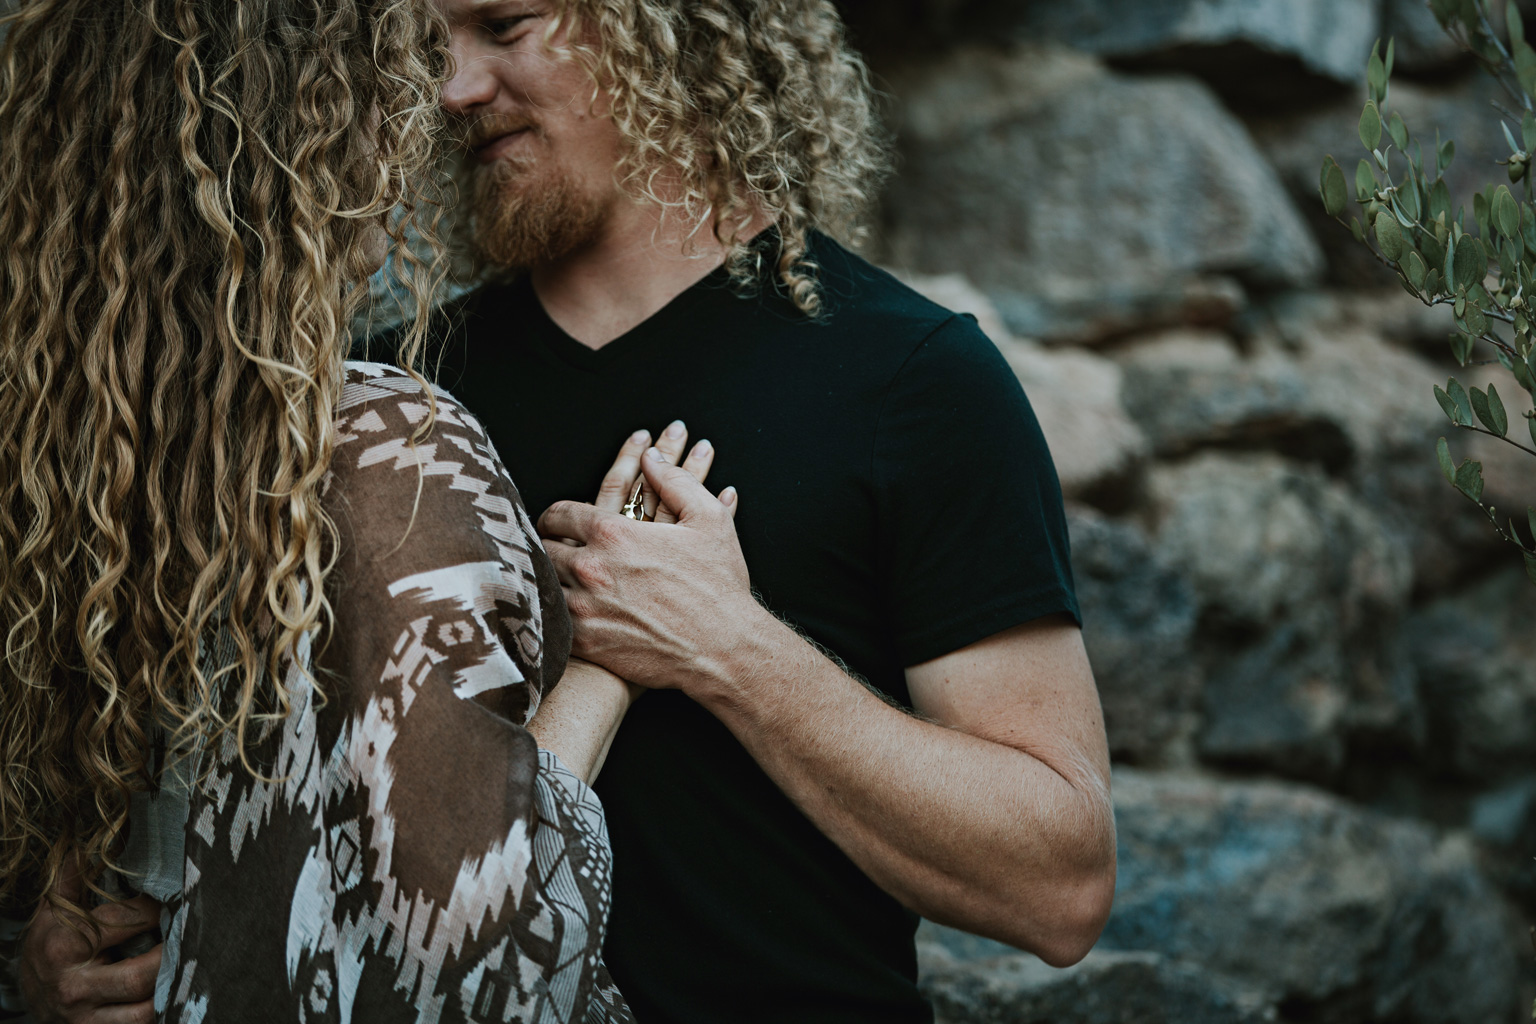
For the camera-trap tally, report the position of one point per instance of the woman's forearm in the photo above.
(578, 719)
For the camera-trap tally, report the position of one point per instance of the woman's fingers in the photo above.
(672, 443)
(619, 482)
(698, 462)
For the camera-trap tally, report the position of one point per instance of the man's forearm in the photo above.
(963, 830)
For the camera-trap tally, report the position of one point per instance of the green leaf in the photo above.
(1334, 191)
(1365, 181)
(1530, 514)
(1471, 264)
(1514, 22)
(1530, 566)
(1509, 137)
(1391, 55)
(1434, 252)
(1398, 130)
(1443, 450)
(1528, 131)
(1356, 230)
(1462, 344)
(1451, 411)
(1506, 212)
(1370, 126)
(1469, 479)
(1432, 282)
(1525, 65)
(1376, 76)
(1389, 236)
(1446, 154)
(1477, 323)
(1408, 196)
(1463, 403)
(1531, 422)
(1439, 200)
(1490, 411)
(1480, 211)
(1500, 424)
(1416, 270)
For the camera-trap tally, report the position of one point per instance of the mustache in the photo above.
(489, 127)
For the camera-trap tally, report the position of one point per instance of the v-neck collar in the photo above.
(673, 325)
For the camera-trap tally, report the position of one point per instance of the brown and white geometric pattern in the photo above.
(408, 854)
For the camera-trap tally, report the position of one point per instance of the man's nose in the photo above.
(472, 83)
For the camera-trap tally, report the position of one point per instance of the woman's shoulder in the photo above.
(388, 400)
(372, 382)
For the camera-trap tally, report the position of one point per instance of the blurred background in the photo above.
(1318, 664)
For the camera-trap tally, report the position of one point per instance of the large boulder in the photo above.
(1139, 619)
(1084, 202)
(1266, 50)
(1106, 988)
(1476, 659)
(1381, 396)
(1193, 389)
(1301, 592)
(1340, 914)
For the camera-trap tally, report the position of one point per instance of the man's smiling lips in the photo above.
(497, 146)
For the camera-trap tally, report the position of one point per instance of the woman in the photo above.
(275, 624)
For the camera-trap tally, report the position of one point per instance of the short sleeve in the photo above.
(971, 527)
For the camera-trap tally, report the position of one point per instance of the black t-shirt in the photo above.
(898, 502)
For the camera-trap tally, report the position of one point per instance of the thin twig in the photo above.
(1506, 440)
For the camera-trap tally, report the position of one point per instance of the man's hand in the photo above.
(65, 976)
(995, 817)
(647, 599)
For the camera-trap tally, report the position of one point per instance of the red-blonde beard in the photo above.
(525, 219)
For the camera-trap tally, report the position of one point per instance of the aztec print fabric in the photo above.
(409, 855)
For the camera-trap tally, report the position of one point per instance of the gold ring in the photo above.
(635, 507)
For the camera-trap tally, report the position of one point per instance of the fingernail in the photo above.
(676, 429)
(640, 437)
(654, 454)
(728, 497)
(702, 448)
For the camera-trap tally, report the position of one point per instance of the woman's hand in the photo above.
(622, 477)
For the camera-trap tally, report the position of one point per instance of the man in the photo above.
(775, 822)
(663, 172)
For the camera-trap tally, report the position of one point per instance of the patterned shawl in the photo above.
(412, 856)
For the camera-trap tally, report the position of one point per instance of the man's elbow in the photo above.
(1079, 920)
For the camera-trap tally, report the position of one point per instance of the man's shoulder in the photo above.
(871, 310)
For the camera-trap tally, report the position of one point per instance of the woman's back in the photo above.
(411, 853)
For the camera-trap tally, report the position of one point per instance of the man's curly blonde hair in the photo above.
(756, 107)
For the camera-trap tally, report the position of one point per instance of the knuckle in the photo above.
(608, 531)
(142, 1015)
(71, 991)
(590, 572)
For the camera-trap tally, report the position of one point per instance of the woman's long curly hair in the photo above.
(756, 107)
(191, 195)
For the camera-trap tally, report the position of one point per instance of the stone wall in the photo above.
(1318, 666)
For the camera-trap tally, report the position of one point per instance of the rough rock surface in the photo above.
(1301, 590)
(1252, 49)
(1340, 914)
(1083, 201)
(1192, 390)
(1106, 988)
(1422, 45)
(1476, 658)
(1139, 619)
